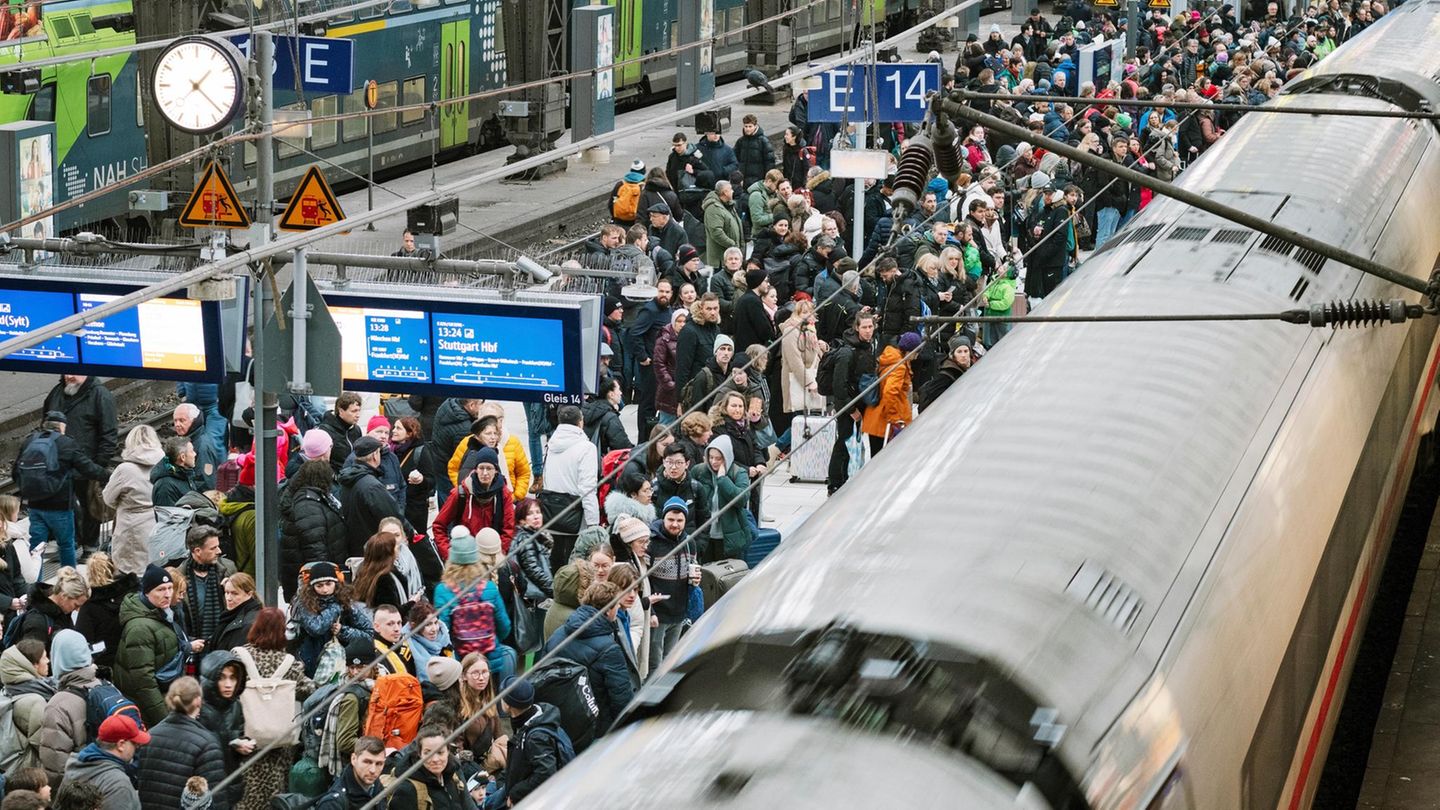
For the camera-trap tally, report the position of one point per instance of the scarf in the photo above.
(204, 616)
(492, 494)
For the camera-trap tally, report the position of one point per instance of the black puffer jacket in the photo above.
(44, 618)
(311, 528)
(180, 747)
(99, 620)
(233, 627)
(342, 437)
(223, 717)
(452, 424)
(364, 502)
(533, 551)
(603, 426)
(89, 418)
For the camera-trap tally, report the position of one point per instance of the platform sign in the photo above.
(312, 205)
(326, 65)
(214, 203)
(483, 348)
(901, 91)
(171, 338)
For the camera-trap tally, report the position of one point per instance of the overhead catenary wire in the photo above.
(1214, 106)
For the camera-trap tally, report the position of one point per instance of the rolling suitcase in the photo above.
(811, 439)
(762, 543)
(717, 578)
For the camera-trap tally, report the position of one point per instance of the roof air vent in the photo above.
(1106, 594)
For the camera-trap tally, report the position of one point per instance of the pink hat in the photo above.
(316, 443)
(377, 421)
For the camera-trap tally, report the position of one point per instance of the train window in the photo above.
(412, 93)
(83, 26)
(42, 104)
(499, 29)
(389, 92)
(97, 105)
(62, 27)
(292, 146)
(371, 12)
(324, 135)
(397, 6)
(737, 21)
(674, 33)
(353, 129)
(426, 3)
(817, 13)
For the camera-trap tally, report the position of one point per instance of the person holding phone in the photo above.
(671, 578)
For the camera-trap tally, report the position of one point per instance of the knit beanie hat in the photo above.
(487, 455)
(724, 340)
(195, 796)
(909, 341)
(677, 314)
(316, 443)
(442, 671)
(675, 504)
(247, 469)
(69, 651)
(755, 278)
(377, 421)
(631, 529)
(685, 253)
(155, 576)
(488, 541)
(322, 571)
(463, 549)
(960, 340)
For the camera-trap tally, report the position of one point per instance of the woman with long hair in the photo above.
(429, 637)
(468, 580)
(800, 350)
(311, 526)
(326, 608)
(128, 493)
(477, 703)
(262, 655)
(376, 581)
(12, 579)
(532, 546)
(407, 441)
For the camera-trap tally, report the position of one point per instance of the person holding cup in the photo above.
(671, 578)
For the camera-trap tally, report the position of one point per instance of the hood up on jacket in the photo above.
(567, 586)
(210, 673)
(354, 471)
(727, 450)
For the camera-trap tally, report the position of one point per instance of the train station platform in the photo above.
(1403, 771)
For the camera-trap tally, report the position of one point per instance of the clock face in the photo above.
(197, 85)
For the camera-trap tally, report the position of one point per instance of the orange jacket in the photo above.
(894, 394)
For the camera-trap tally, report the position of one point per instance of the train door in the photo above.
(454, 82)
(627, 41)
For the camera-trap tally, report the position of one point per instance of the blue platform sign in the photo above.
(901, 91)
(326, 65)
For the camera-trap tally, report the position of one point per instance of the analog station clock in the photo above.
(199, 84)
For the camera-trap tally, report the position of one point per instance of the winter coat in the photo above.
(846, 383)
(894, 394)
(572, 468)
(901, 302)
(364, 502)
(107, 772)
(355, 622)
(445, 792)
(596, 647)
(12, 577)
(233, 627)
(475, 513)
(722, 489)
(446, 599)
(822, 193)
(62, 730)
(30, 692)
(99, 620)
(73, 462)
(799, 361)
(514, 463)
(533, 552)
(390, 476)
(346, 793)
(618, 503)
(693, 349)
(603, 426)
(89, 418)
(755, 155)
(180, 747)
(722, 229)
(223, 717)
(417, 496)
(342, 438)
(451, 425)
(238, 509)
(43, 619)
(939, 383)
(168, 483)
(311, 528)
(670, 575)
(718, 157)
(753, 324)
(128, 493)
(760, 201)
(567, 598)
(655, 191)
(148, 641)
(532, 756)
(667, 396)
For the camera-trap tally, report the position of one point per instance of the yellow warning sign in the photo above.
(1104, 3)
(312, 206)
(1165, 4)
(214, 203)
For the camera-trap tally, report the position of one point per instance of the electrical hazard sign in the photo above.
(312, 206)
(1162, 4)
(214, 203)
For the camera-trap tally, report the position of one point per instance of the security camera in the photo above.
(533, 269)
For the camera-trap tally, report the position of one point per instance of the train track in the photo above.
(160, 419)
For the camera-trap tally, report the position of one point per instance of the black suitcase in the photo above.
(717, 578)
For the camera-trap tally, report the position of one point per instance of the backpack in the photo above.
(395, 708)
(627, 202)
(102, 701)
(825, 372)
(699, 385)
(565, 684)
(268, 703)
(307, 779)
(15, 750)
(167, 539)
(313, 730)
(564, 750)
(12, 630)
(612, 461)
(38, 467)
(294, 801)
(472, 625)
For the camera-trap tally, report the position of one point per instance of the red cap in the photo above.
(377, 421)
(118, 727)
(247, 469)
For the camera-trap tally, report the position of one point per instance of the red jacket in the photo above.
(462, 508)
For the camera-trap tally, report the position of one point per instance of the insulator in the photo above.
(911, 176)
(1339, 314)
(947, 152)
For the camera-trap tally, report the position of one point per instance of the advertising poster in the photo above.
(707, 34)
(36, 178)
(605, 56)
(21, 21)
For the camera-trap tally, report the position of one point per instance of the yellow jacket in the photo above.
(517, 463)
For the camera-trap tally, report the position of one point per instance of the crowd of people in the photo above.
(431, 559)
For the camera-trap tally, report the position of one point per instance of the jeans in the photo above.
(57, 525)
(839, 471)
(666, 418)
(662, 641)
(1107, 222)
(536, 426)
(645, 401)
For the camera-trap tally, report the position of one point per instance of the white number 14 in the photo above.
(915, 93)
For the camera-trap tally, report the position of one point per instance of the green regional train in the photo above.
(416, 51)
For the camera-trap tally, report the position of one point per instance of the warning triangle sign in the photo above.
(214, 203)
(312, 206)
(1105, 3)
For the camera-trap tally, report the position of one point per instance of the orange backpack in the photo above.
(395, 708)
(627, 202)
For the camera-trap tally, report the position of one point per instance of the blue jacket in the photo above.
(597, 649)
(718, 157)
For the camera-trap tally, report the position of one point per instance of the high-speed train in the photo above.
(1119, 565)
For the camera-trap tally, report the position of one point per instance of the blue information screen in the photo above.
(498, 351)
(163, 338)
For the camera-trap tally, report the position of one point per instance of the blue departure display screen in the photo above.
(163, 338)
(499, 351)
